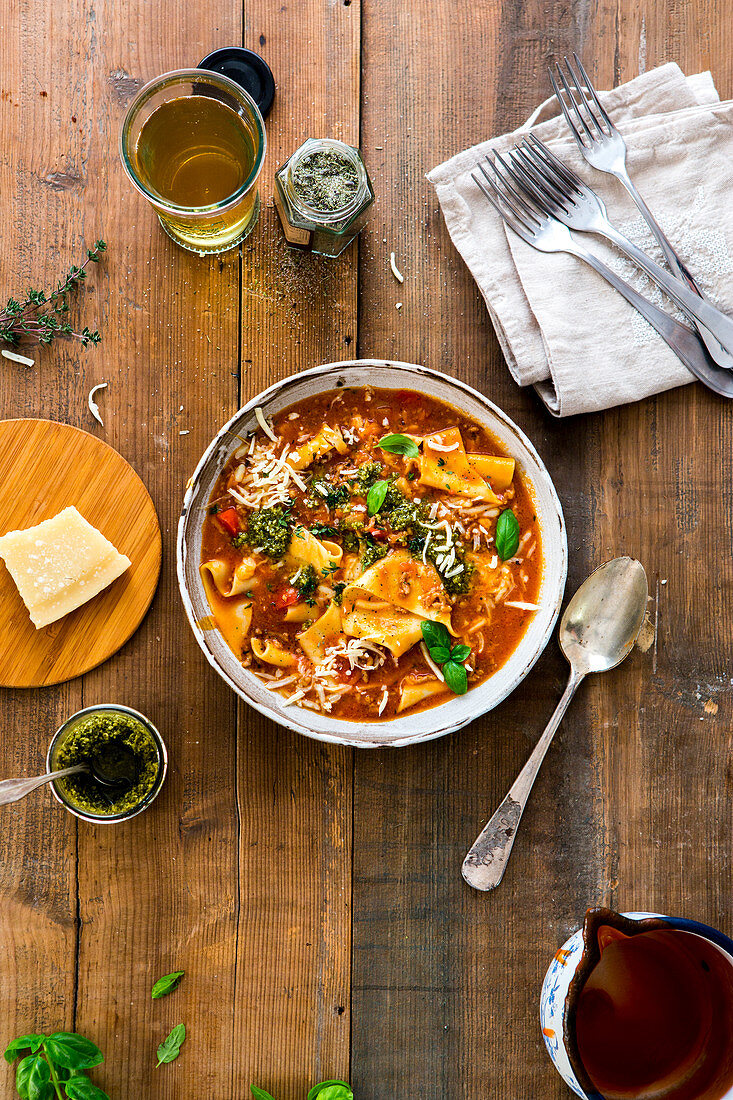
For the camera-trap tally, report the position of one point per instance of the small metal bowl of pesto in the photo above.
(106, 732)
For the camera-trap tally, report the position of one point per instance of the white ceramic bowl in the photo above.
(458, 710)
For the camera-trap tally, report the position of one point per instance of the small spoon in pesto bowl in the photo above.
(116, 773)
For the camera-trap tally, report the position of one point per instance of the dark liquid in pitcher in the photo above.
(655, 1018)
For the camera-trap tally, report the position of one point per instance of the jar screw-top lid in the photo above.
(247, 69)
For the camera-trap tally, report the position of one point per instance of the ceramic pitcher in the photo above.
(570, 970)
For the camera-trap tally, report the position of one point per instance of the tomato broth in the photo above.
(294, 532)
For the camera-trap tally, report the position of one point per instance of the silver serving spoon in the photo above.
(118, 774)
(598, 630)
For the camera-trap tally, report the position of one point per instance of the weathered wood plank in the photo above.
(162, 893)
(292, 1014)
(159, 893)
(446, 975)
(37, 840)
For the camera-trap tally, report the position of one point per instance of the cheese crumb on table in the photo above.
(60, 564)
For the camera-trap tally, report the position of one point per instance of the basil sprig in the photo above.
(376, 496)
(167, 984)
(451, 657)
(397, 445)
(326, 1090)
(507, 534)
(56, 1062)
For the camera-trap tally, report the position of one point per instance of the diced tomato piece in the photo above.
(286, 597)
(375, 530)
(229, 520)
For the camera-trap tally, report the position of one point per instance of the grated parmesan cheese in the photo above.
(397, 274)
(322, 682)
(430, 662)
(443, 447)
(14, 357)
(260, 417)
(93, 406)
(263, 478)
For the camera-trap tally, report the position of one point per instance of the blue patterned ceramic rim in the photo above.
(559, 976)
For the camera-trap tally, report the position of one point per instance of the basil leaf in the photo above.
(507, 534)
(456, 677)
(23, 1042)
(435, 634)
(460, 653)
(81, 1088)
(260, 1094)
(440, 654)
(22, 1073)
(167, 984)
(72, 1051)
(375, 496)
(397, 445)
(32, 1076)
(331, 1090)
(170, 1048)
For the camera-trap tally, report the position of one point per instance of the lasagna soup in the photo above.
(371, 552)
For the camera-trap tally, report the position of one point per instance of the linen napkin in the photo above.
(561, 327)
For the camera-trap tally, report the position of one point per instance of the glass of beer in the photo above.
(193, 143)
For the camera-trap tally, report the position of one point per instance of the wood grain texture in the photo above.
(632, 806)
(292, 1015)
(44, 468)
(92, 915)
(162, 895)
(241, 873)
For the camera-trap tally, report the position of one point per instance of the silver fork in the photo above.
(604, 148)
(546, 234)
(560, 192)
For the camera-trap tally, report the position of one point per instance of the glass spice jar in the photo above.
(322, 194)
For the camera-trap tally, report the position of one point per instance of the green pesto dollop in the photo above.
(305, 582)
(368, 473)
(373, 551)
(269, 530)
(105, 735)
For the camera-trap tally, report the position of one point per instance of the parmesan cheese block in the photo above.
(60, 564)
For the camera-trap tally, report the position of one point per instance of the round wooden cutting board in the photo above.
(45, 467)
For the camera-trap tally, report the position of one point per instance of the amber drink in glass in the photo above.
(193, 143)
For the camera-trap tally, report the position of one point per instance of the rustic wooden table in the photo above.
(313, 895)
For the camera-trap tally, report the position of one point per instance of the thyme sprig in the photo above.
(40, 317)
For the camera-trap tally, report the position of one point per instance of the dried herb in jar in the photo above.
(325, 180)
